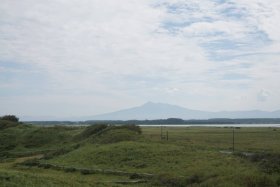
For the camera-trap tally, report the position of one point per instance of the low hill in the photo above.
(7, 124)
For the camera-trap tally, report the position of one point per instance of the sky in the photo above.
(87, 57)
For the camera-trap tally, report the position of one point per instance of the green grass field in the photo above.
(103, 155)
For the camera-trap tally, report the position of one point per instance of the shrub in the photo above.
(12, 118)
(135, 176)
(5, 177)
(32, 162)
(70, 169)
(170, 181)
(85, 172)
(194, 179)
(278, 181)
(271, 164)
(258, 181)
(268, 162)
(45, 166)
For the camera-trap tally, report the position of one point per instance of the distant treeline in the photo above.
(181, 121)
(176, 121)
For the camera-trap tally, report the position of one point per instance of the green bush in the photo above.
(70, 169)
(258, 181)
(193, 179)
(5, 177)
(135, 176)
(31, 162)
(12, 118)
(45, 166)
(85, 172)
(278, 181)
(170, 181)
(268, 162)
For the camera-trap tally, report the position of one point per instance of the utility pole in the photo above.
(161, 132)
(232, 139)
(163, 135)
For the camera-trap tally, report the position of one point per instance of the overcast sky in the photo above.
(86, 57)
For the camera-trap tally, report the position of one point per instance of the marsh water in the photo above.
(212, 125)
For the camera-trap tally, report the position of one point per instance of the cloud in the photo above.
(123, 50)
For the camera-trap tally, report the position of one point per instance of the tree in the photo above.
(10, 118)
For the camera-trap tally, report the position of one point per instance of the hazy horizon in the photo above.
(152, 111)
(80, 58)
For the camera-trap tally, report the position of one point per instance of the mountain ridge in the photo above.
(151, 110)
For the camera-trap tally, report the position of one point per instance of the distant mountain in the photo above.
(152, 110)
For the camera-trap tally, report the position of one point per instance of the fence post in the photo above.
(233, 139)
(161, 132)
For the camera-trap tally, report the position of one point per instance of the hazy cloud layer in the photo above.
(73, 57)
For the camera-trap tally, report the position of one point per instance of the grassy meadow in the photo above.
(102, 155)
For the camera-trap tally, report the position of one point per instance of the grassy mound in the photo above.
(7, 124)
(105, 134)
(10, 136)
(125, 155)
(114, 134)
(45, 136)
(90, 131)
(26, 139)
